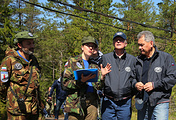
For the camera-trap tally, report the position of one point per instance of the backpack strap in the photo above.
(29, 80)
(20, 101)
(26, 86)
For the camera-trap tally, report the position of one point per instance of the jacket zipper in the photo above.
(119, 75)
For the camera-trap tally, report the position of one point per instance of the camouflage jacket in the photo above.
(17, 71)
(76, 88)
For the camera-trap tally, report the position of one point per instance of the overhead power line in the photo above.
(109, 16)
(72, 15)
(87, 19)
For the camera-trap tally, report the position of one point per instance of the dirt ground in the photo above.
(61, 117)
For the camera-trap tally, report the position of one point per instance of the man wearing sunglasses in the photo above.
(118, 83)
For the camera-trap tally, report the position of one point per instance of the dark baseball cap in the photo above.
(120, 34)
(89, 39)
(25, 35)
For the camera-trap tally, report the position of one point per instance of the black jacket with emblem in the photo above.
(118, 83)
(162, 72)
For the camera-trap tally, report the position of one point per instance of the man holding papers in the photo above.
(81, 102)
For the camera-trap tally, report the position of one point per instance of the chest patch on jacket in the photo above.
(128, 69)
(78, 64)
(18, 66)
(158, 69)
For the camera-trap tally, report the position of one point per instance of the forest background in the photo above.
(60, 26)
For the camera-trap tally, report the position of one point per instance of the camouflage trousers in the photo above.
(90, 107)
(25, 117)
(50, 108)
(92, 114)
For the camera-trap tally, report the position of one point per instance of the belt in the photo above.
(117, 99)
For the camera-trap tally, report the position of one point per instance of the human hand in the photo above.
(148, 87)
(50, 98)
(105, 70)
(139, 86)
(85, 78)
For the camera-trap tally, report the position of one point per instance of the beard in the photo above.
(28, 52)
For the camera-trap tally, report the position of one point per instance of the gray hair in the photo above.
(148, 36)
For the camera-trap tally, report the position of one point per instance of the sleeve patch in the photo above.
(173, 64)
(4, 76)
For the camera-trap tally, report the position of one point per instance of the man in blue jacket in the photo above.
(60, 96)
(118, 83)
(156, 75)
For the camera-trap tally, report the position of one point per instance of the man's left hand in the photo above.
(148, 86)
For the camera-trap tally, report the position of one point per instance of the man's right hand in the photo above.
(139, 86)
(85, 78)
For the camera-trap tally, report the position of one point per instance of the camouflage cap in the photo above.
(89, 39)
(25, 35)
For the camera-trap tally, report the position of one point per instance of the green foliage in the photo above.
(6, 28)
(171, 48)
(51, 57)
(132, 48)
(167, 16)
(139, 11)
(3, 111)
(60, 35)
(173, 103)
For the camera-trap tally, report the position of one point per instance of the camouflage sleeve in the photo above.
(100, 83)
(68, 77)
(5, 71)
(6, 65)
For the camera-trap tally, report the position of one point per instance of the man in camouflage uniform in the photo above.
(20, 69)
(81, 102)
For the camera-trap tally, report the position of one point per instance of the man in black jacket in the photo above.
(60, 96)
(156, 75)
(118, 83)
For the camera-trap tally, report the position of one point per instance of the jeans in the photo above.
(57, 108)
(65, 116)
(158, 112)
(116, 110)
(45, 112)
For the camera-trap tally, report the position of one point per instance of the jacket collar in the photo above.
(141, 57)
(12, 52)
(123, 56)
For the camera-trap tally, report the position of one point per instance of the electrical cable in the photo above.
(109, 16)
(88, 19)
(72, 15)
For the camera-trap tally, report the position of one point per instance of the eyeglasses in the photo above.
(119, 39)
(91, 45)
